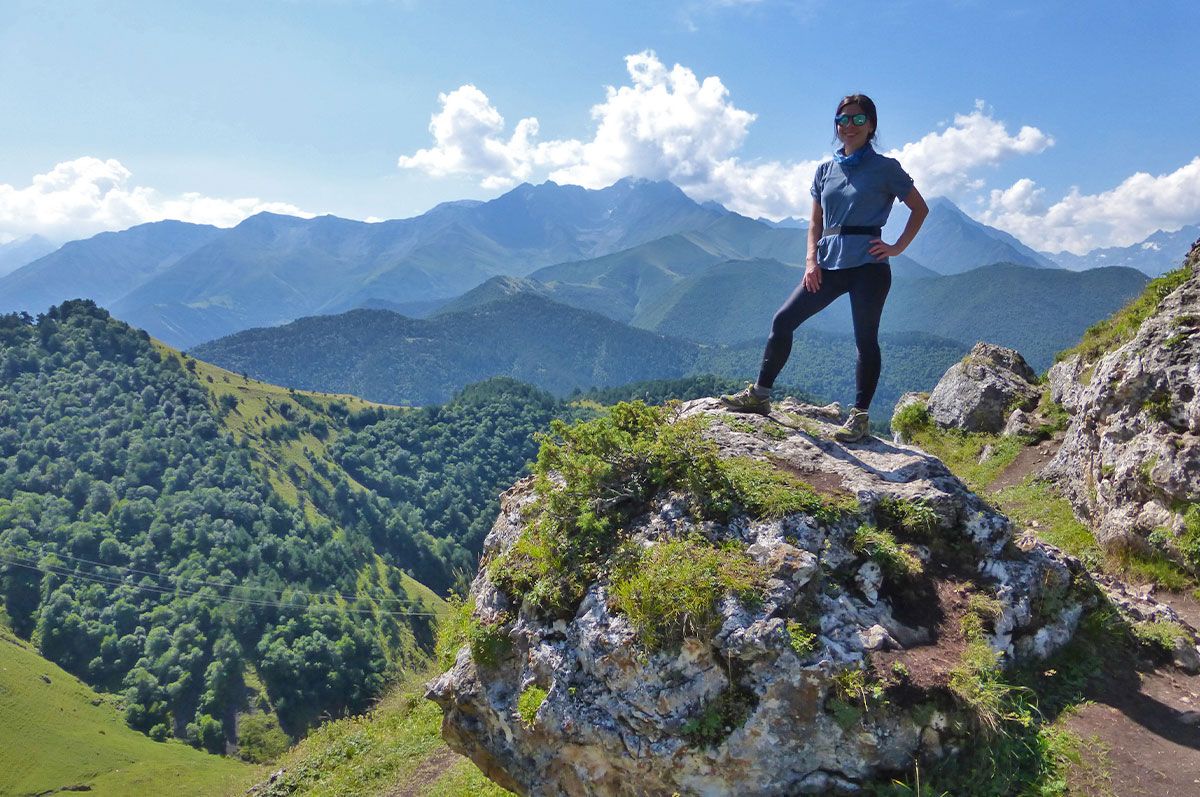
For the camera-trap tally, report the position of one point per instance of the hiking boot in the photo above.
(748, 401)
(856, 427)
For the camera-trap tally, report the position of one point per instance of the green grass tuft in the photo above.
(1189, 544)
(766, 491)
(489, 642)
(1158, 405)
(1160, 636)
(452, 631)
(802, 640)
(978, 683)
(671, 590)
(911, 419)
(914, 519)
(897, 560)
(594, 476)
(982, 613)
(529, 702)
(1118, 329)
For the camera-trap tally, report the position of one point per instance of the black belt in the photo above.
(849, 229)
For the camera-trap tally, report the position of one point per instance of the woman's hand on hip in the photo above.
(812, 278)
(881, 249)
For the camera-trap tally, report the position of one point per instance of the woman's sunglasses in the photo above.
(859, 119)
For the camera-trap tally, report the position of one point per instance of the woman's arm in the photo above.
(918, 210)
(812, 269)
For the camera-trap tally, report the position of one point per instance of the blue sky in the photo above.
(1034, 116)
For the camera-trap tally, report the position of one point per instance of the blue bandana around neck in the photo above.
(853, 158)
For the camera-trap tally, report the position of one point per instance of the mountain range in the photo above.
(1039, 311)
(1154, 256)
(639, 252)
(271, 269)
(526, 336)
(951, 242)
(20, 251)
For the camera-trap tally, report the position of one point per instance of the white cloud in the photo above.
(1120, 216)
(669, 124)
(942, 162)
(88, 195)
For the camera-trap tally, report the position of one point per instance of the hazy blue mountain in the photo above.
(104, 267)
(267, 270)
(726, 303)
(789, 221)
(378, 354)
(1038, 312)
(494, 289)
(737, 237)
(735, 300)
(22, 251)
(418, 309)
(634, 283)
(951, 242)
(616, 285)
(904, 269)
(271, 269)
(1154, 256)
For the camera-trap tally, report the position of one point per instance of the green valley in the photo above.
(58, 734)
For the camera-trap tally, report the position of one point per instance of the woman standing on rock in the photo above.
(853, 194)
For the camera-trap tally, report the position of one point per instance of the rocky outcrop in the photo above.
(834, 673)
(1130, 462)
(979, 393)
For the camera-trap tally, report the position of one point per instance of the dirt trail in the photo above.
(1031, 460)
(425, 775)
(1150, 725)
(1148, 721)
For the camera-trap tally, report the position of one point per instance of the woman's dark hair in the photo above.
(868, 107)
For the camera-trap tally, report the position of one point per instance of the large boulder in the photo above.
(1130, 462)
(834, 673)
(979, 393)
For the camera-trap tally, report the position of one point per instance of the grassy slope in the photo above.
(288, 464)
(1037, 502)
(1119, 328)
(62, 733)
(398, 744)
(376, 752)
(258, 410)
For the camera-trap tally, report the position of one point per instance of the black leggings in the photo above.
(868, 287)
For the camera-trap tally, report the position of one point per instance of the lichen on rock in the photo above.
(808, 633)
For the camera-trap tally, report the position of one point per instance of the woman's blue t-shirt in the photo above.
(859, 194)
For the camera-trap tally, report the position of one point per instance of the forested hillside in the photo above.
(445, 465)
(386, 357)
(144, 549)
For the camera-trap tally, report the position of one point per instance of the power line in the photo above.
(182, 592)
(218, 584)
